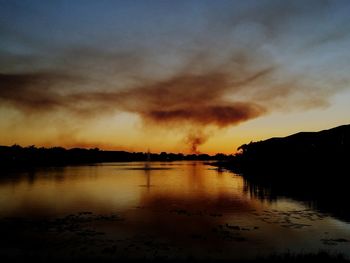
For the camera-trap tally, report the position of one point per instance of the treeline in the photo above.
(17, 156)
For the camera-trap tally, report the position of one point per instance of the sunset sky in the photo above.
(171, 75)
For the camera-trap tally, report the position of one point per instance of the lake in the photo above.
(173, 210)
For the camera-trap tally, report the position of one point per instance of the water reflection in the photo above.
(326, 196)
(189, 208)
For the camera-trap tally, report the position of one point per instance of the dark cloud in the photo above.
(38, 92)
(195, 99)
(30, 91)
(219, 115)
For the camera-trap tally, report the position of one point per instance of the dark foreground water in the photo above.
(175, 210)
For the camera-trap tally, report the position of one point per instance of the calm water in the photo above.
(176, 209)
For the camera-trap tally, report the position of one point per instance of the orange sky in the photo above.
(125, 131)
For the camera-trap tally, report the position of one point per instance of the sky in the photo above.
(175, 76)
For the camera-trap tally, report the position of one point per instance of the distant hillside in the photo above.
(304, 142)
(312, 151)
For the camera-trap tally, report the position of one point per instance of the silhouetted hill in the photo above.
(314, 151)
(21, 157)
(308, 166)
